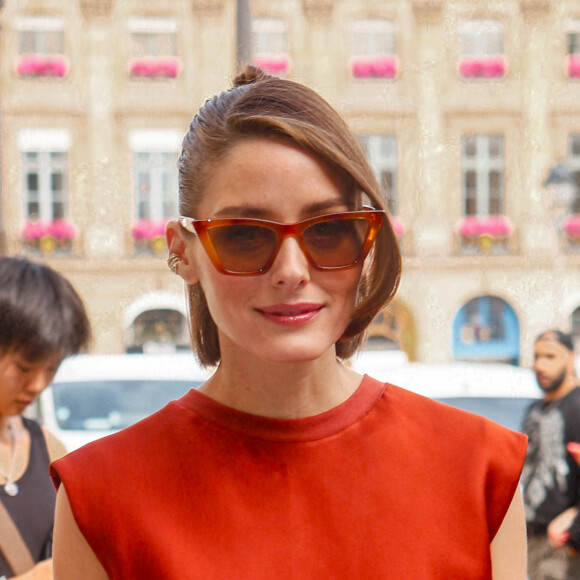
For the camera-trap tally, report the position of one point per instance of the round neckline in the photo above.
(289, 430)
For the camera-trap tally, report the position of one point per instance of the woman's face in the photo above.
(293, 312)
(21, 381)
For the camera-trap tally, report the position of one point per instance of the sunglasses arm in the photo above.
(187, 224)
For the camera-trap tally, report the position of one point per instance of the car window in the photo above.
(112, 404)
(506, 411)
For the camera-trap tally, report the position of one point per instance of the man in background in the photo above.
(551, 477)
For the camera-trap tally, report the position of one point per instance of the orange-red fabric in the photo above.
(387, 485)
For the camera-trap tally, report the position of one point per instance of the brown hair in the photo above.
(259, 105)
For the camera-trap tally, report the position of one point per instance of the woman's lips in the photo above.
(291, 314)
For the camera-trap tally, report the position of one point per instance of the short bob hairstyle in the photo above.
(41, 314)
(262, 106)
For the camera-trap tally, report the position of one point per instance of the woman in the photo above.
(287, 464)
(42, 320)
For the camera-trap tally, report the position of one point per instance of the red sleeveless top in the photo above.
(387, 485)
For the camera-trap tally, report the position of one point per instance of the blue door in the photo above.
(486, 329)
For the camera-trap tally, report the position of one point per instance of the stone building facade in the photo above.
(463, 106)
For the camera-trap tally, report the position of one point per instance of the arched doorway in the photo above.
(486, 329)
(156, 323)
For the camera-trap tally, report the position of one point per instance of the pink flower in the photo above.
(398, 226)
(571, 226)
(381, 67)
(34, 230)
(273, 64)
(497, 226)
(490, 67)
(61, 230)
(142, 230)
(574, 66)
(148, 229)
(41, 65)
(155, 67)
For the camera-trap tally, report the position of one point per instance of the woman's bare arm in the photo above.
(72, 555)
(508, 548)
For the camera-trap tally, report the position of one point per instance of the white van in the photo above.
(95, 395)
(498, 391)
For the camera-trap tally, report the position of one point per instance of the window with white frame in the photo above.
(481, 38)
(482, 168)
(40, 35)
(381, 153)
(44, 174)
(270, 45)
(155, 156)
(373, 37)
(574, 166)
(373, 49)
(153, 37)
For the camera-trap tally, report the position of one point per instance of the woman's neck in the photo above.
(281, 390)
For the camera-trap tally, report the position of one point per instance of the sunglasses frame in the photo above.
(201, 228)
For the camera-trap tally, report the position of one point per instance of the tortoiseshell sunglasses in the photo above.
(248, 247)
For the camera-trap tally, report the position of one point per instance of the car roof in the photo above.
(92, 367)
(452, 380)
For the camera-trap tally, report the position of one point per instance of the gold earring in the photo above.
(172, 262)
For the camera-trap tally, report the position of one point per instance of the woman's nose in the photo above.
(291, 266)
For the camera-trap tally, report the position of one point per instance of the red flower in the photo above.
(42, 65)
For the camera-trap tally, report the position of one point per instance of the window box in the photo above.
(485, 232)
(152, 67)
(39, 65)
(149, 236)
(482, 67)
(48, 237)
(380, 67)
(273, 64)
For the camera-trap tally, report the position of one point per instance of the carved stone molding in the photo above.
(96, 9)
(535, 7)
(208, 7)
(427, 11)
(318, 10)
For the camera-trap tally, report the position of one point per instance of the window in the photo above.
(373, 50)
(270, 45)
(573, 42)
(482, 166)
(41, 47)
(153, 48)
(45, 174)
(381, 152)
(574, 166)
(481, 49)
(155, 156)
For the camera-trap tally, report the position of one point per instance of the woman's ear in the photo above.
(181, 245)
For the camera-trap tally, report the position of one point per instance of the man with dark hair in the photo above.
(42, 321)
(551, 477)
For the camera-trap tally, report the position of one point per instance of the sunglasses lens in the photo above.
(243, 248)
(335, 243)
